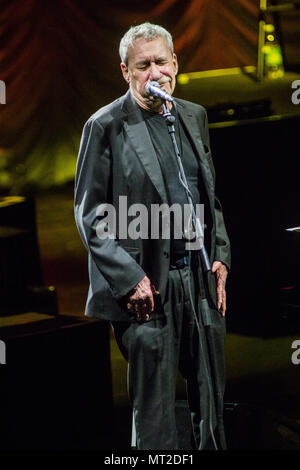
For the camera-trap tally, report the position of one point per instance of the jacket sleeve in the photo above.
(93, 190)
(223, 251)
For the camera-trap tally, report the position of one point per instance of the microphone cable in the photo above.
(171, 128)
(209, 382)
(211, 393)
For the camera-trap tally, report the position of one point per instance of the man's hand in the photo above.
(221, 273)
(141, 302)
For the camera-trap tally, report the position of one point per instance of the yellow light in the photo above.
(183, 79)
(270, 37)
(266, 49)
(269, 28)
(276, 74)
(7, 201)
(230, 111)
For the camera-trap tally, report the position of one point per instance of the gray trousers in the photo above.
(169, 341)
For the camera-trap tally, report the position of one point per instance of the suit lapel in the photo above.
(193, 130)
(137, 132)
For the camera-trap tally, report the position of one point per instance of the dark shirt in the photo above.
(164, 149)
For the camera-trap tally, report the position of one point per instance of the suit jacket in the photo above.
(116, 157)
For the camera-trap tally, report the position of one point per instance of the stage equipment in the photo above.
(22, 287)
(56, 385)
(270, 60)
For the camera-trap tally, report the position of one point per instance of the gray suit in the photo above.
(117, 157)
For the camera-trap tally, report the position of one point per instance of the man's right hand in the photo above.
(141, 303)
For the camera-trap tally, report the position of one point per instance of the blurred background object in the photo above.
(60, 63)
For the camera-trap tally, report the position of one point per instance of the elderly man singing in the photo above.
(167, 307)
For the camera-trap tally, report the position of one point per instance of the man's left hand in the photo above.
(221, 273)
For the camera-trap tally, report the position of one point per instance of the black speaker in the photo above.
(257, 169)
(22, 286)
(56, 386)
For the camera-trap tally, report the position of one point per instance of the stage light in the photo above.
(273, 60)
(269, 28)
(183, 79)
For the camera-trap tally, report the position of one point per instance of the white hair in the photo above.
(148, 31)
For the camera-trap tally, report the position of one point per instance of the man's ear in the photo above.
(125, 72)
(175, 63)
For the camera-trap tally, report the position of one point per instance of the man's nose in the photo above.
(155, 73)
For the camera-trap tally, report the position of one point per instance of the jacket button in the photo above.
(166, 254)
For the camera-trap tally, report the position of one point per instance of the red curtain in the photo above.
(60, 63)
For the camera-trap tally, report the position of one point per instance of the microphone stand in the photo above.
(170, 119)
(206, 265)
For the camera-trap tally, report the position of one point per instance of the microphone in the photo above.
(153, 89)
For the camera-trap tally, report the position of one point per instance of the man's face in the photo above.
(150, 61)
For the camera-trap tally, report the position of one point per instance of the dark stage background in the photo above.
(59, 60)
